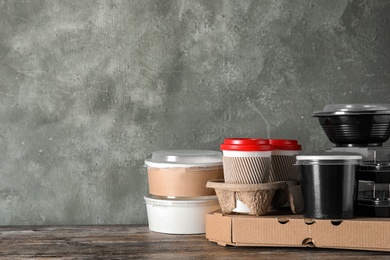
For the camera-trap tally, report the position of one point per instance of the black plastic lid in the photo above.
(375, 167)
(353, 109)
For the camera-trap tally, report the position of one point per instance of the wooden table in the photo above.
(137, 242)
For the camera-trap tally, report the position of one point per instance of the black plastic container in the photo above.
(356, 125)
(373, 189)
(376, 172)
(328, 185)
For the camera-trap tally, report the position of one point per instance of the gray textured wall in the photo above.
(90, 88)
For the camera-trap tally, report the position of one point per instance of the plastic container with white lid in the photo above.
(179, 216)
(328, 185)
(183, 173)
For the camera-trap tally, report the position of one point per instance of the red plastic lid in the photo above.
(246, 144)
(283, 144)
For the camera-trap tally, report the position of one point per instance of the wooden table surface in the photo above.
(138, 242)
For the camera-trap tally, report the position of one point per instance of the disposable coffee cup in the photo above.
(328, 185)
(246, 160)
(283, 159)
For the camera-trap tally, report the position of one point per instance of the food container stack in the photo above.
(336, 185)
(178, 199)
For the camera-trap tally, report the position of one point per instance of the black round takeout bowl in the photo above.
(361, 125)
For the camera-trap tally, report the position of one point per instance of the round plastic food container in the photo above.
(179, 216)
(349, 125)
(328, 185)
(183, 173)
(246, 160)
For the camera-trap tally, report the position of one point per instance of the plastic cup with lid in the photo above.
(328, 185)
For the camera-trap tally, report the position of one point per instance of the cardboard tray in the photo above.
(278, 230)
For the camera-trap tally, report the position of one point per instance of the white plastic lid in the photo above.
(184, 158)
(328, 159)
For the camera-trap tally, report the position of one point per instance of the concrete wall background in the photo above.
(89, 89)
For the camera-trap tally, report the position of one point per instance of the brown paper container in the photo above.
(257, 197)
(246, 170)
(182, 182)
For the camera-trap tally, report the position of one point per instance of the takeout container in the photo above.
(183, 173)
(179, 216)
(356, 124)
(328, 185)
(373, 189)
(179, 200)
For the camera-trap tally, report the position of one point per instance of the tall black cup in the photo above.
(328, 185)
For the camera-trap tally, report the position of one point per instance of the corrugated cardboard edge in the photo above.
(371, 234)
(219, 228)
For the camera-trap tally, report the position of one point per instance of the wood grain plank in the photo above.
(138, 242)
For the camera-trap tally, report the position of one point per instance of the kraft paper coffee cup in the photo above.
(283, 166)
(246, 160)
(283, 158)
